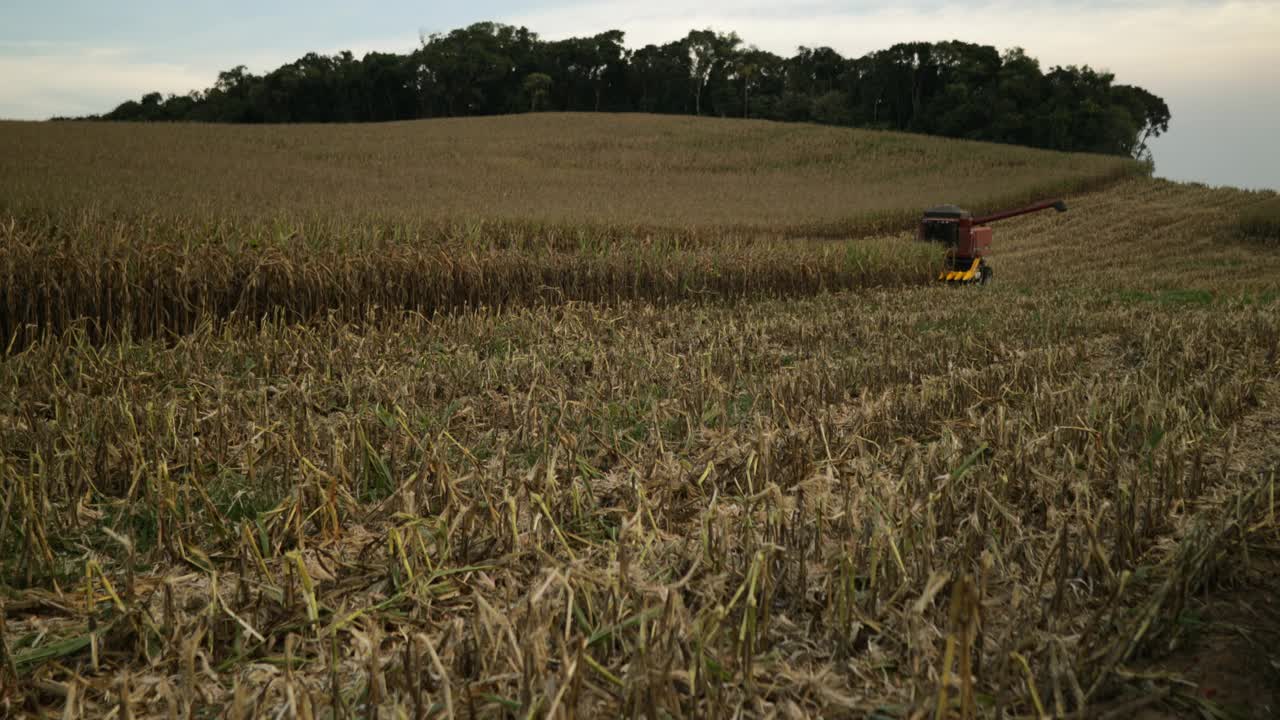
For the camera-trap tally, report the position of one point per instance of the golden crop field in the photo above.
(542, 172)
(1261, 223)
(478, 454)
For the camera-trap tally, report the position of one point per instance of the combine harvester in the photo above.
(968, 239)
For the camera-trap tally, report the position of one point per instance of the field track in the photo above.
(839, 501)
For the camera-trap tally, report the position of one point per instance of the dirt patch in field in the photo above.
(1227, 661)
(1228, 664)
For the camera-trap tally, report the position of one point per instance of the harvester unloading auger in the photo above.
(968, 239)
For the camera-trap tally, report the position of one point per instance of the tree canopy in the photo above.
(956, 89)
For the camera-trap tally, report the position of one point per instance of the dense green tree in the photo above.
(758, 73)
(536, 86)
(815, 71)
(592, 71)
(953, 88)
(659, 78)
(711, 59)
(1150, 116)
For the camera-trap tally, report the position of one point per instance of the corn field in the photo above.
(580, 173)
(152, 278)
(426, 467)
(1261, 222)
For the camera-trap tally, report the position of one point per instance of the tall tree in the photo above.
(710, 56)
(1150, 115)
(536, 86)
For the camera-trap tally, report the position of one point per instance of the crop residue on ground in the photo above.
(279, 461)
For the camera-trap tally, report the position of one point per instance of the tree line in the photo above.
(955, 89)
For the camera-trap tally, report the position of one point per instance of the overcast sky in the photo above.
(1217, 64)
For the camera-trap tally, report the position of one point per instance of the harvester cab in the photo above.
(968, 239)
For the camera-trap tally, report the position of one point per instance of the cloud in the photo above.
(46, 79)
(1155, 43)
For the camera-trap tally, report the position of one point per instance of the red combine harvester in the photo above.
(968, 239)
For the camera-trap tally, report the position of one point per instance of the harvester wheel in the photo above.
(984, 276)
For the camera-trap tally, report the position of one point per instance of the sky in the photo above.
(1217, 64)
